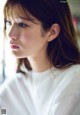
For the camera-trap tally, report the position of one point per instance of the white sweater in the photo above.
(52, 92)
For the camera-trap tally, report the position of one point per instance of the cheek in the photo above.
(31, 37)
(26, 40)
(32, 44)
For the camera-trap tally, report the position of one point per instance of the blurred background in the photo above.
(7, 60)
(75, 10)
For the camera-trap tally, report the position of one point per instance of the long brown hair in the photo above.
(63, 51)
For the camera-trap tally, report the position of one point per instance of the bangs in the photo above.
(9, 9)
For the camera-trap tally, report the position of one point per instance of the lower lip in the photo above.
(14, 47)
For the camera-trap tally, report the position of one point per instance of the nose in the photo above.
(13, 33)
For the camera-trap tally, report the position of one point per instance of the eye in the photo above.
(8, 23)
(22, 25)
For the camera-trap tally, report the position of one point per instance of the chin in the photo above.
(17, 55)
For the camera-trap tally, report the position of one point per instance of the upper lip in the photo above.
(14, 44)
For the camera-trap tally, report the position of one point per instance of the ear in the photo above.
(53, 32)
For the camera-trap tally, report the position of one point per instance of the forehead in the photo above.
(17, 11)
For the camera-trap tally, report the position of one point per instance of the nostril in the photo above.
(11, 42)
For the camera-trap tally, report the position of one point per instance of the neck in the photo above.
(40, 63)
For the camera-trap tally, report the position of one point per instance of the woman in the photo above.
(42, 37)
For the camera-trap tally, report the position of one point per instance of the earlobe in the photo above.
(54, 32)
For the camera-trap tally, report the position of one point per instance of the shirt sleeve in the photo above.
(69, 105)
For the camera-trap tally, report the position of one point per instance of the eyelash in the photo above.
(21, 24)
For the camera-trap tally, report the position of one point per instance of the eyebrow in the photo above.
(25, 18)
(29, 19)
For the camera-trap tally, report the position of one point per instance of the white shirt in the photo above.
(52, 92)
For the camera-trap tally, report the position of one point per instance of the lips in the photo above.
(13, 46)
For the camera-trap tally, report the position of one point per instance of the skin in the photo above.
(28, 39)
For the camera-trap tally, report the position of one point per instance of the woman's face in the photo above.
(27, 39)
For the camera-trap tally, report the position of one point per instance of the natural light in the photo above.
(7, 60)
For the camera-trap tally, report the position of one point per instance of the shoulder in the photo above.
(14, 83)
(72, 72)
(67, 97)
(72, 75)
(10, 84)
(74, 68)
(68, 105)
(13, 88)
(69, 82)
